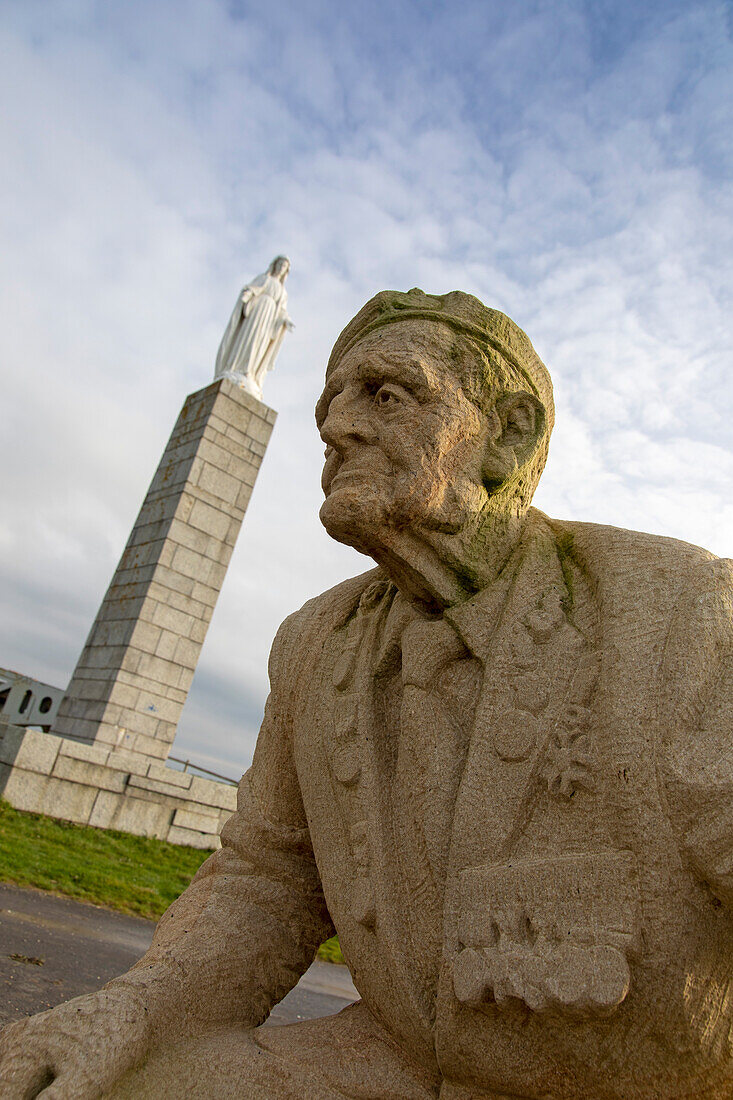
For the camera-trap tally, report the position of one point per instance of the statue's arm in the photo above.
(250, 922)
(696, 760)
(251, 290)
(228, 949)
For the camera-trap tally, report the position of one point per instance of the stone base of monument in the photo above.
(110, 788)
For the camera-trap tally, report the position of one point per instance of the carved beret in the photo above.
(465, 314)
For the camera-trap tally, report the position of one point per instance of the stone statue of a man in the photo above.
(500, 764)
(256, 329)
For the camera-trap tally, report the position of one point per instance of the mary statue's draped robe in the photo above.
(254, 334)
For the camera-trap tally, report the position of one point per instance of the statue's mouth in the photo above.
(347, 472)
(338, 472)
(332, 465)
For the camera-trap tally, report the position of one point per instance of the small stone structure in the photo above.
(103, 762)
(28, 702)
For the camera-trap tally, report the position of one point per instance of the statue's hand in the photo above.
(76, 1051)
(289, 325)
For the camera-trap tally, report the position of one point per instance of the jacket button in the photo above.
(346, 766)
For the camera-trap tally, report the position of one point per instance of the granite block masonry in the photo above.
(110, 789)
(134, 673)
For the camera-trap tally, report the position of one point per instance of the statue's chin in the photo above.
(357, 519)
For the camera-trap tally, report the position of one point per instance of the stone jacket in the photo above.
(551, 916)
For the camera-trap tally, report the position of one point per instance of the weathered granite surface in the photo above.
(499, 764)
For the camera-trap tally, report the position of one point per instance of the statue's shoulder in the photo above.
(618, 551)
(305, 628)
(334, 606)
(637, 574)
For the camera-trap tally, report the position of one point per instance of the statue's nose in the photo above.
(347, 420)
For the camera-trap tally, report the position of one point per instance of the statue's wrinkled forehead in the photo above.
(461, 312)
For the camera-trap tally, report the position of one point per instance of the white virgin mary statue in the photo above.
(256, 329)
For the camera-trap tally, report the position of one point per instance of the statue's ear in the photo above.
(518, 426)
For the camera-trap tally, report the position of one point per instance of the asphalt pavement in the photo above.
(54, 948)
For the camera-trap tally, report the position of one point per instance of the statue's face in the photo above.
(404, 444)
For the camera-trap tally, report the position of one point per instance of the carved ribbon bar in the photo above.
(555, 934)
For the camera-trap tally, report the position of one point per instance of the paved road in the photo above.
(53, 948)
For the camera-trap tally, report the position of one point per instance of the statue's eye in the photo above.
(385, 396)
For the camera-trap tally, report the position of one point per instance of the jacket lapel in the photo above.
(529, 663)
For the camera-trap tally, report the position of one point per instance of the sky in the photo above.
(569, 162)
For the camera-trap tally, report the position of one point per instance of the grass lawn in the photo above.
(132, 874)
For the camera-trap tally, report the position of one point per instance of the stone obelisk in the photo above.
(133, 676)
